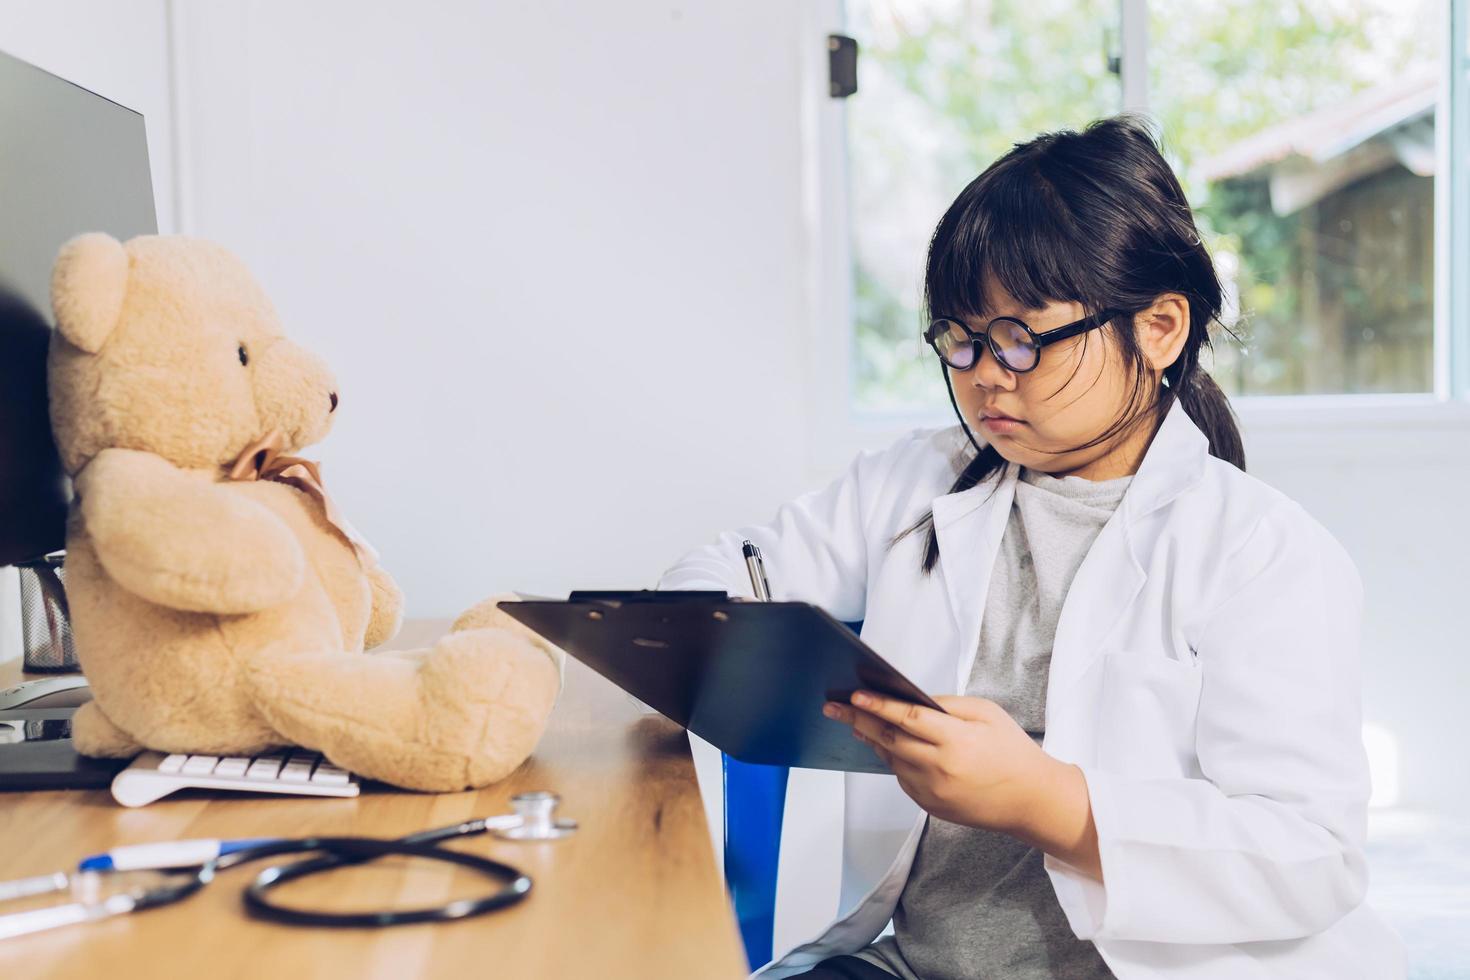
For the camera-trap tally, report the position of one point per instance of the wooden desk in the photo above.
(634, 893)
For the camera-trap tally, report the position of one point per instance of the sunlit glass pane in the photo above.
(1304, 133)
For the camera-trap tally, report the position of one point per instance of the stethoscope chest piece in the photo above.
(534, 819)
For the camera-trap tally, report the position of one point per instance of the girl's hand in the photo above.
(975, 766)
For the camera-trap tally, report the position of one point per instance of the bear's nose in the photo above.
(333, 396)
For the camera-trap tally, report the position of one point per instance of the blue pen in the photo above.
(167, 854)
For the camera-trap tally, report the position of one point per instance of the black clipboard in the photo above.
(748, 677)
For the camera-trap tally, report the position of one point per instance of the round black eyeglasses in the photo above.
(1013, 344)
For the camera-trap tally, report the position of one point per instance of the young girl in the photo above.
(1152, 766)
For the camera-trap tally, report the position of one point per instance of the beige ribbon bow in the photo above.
(264, 460)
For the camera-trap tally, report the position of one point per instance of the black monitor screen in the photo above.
(70, 161)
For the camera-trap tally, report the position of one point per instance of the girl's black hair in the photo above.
(1096, 218)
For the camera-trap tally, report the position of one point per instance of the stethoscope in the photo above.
(534, 819)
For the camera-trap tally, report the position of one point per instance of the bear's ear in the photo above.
(88, 283)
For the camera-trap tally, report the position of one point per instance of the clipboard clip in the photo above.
(615, 599)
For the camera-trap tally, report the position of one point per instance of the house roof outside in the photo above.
(1310, 156)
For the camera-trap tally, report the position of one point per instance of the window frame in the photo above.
(837, 428)
(1452, 209)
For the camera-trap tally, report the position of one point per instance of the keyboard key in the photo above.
(264, 767)
(329, 775)
(172, 763)
(199, 765)
(232, 768)
(296, 771)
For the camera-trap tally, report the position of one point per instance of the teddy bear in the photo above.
(219, 602)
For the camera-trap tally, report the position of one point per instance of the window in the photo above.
(945, 87)
(1303, 131)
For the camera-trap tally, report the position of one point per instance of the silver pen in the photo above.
(757, 570)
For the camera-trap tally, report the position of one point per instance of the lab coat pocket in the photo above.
(1146, 718)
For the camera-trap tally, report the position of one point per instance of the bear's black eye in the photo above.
(244, 357)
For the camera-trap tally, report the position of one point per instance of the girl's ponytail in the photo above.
(1208, 407)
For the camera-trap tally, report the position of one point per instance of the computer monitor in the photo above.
(70, 161)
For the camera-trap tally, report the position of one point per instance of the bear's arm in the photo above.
(183, 542)
(387, 615)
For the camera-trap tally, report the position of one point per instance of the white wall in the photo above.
(119, 50)
(552, 251)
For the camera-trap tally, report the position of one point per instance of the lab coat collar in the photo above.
(1174, 462)
(970, 524)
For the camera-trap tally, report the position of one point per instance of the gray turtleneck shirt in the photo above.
(978, 904)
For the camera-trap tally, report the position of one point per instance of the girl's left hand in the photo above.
(973, 766)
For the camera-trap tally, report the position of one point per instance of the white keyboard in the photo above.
(154, 775)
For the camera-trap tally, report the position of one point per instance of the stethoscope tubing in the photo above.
(339, 851)
(335, 852)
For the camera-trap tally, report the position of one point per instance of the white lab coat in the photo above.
(1204, 676)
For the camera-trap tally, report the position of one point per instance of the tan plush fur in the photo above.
(223, 616)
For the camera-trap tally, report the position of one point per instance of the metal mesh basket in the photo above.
(44, 624)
